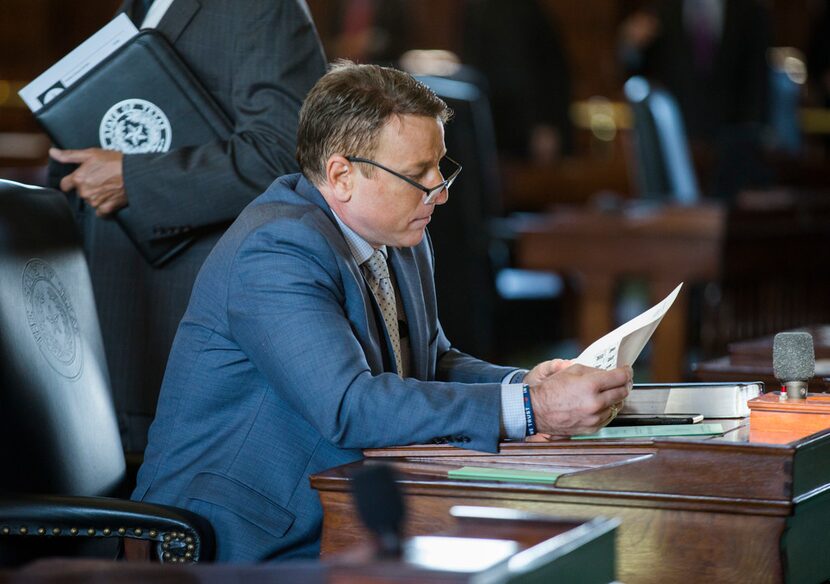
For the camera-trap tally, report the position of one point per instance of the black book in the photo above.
(140, 99)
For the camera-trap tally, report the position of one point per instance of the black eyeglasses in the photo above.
(446, 166)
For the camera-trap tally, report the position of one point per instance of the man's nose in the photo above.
(442, 197)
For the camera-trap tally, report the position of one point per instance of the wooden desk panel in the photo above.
(663, 244)
(656, 545)
(721, 509)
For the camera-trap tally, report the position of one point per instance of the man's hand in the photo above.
(545, 369)
(578, 399)
(99, 179)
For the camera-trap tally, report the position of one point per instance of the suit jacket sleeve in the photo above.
(293, 313)
(276, 59)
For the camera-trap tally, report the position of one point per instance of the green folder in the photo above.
(654, 431)
(481, 473)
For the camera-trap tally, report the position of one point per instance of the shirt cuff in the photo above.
(513, 422)
(515, 376)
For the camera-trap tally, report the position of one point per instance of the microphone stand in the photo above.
(794, 390)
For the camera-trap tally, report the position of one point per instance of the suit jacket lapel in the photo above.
(372, 335)
(177, 17)
(409, 285)
(379, 359)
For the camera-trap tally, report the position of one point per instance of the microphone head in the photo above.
(380, 505)
(793, 357)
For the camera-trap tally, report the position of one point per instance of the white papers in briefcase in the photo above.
(63, 74)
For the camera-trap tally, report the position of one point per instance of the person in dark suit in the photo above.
(711, 56)
(257, 60)
(313, 332)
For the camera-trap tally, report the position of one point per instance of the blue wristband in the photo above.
(529, 417)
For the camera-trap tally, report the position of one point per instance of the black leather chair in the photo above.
(61, 459)
(664, 167)
(478, 290)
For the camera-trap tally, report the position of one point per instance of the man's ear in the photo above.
(340, 177)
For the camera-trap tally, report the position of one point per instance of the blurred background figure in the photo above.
(712, 56)
(517, 48)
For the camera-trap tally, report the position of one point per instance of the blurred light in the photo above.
(595, 112)
(457, 554)
(434, 62)
(603, 124)
(636, 88)
(790, 61)
(795, 70)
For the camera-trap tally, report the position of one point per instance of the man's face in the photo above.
(384, 209)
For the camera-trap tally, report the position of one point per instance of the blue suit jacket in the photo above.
(278, 372)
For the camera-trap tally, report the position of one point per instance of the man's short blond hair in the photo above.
(348, 107)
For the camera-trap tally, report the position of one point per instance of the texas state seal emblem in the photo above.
(135, 126)
(51, 318)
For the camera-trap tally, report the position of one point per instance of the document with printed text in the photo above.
(623, 345)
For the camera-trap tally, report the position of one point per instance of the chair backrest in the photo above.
(460, 230)
(58, 430)
(663, 165)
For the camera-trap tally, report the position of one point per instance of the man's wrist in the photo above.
(530, 419)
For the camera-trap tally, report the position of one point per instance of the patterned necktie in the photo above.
(381, 285)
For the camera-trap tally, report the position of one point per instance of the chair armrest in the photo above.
(180, 535)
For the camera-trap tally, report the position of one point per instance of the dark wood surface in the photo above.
(721, 509)
(665, 245)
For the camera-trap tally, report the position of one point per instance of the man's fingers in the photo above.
(558, 365)
(614, 395)
(619, 376)
(71, 156)
(68, 183)
(105, 208)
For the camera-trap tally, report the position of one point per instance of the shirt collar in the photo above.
(360, 248)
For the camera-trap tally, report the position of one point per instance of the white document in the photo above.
(60, 76)
(623, 345)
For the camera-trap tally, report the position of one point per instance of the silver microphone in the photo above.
(793, 362)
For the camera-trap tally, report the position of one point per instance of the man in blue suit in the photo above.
(312, 332)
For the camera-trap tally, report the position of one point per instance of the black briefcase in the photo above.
(142, 98)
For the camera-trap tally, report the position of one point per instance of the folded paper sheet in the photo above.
(623, 345)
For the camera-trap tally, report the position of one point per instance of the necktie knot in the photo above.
(377, 266)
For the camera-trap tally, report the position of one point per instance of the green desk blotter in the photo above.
(513, 475)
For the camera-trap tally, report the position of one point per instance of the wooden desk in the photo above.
(726, 509)
(665, 245)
